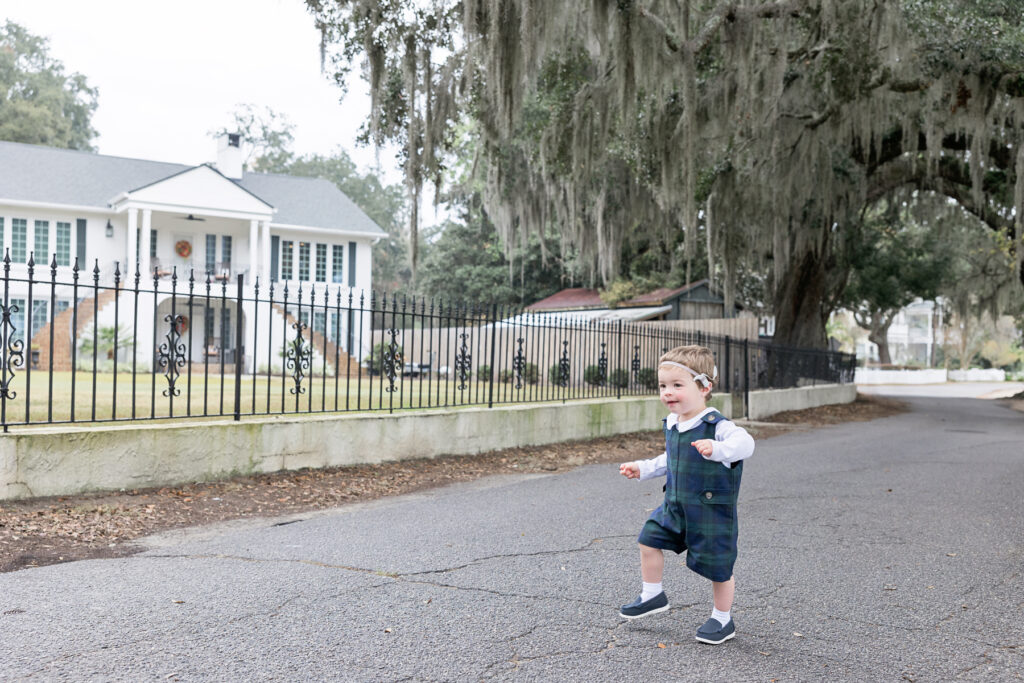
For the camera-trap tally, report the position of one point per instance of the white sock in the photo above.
(649, 591)
(722, 618)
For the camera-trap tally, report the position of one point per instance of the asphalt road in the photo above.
(883, 551)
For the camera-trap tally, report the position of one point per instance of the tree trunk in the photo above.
(799, 303)
(880, 338)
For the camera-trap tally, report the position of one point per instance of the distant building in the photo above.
(695, 301)
(912, 336)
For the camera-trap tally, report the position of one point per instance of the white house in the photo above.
(115, 215)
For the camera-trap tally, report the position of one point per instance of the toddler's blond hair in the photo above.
(698, 358)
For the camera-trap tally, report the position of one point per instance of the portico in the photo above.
(196, 220)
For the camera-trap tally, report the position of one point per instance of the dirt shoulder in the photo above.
(46, 531)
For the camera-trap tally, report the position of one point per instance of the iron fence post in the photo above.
(238, 352)
(725, 365)
(746, 377)
(494, 346)
(618, 382)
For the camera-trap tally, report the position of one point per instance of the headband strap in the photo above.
(701, 377)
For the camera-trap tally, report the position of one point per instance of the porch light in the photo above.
(110, 229)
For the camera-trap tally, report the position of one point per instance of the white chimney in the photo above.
(229, 155)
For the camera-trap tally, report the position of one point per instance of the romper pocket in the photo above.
(717, 497)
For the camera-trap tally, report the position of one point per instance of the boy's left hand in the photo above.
(704, 446)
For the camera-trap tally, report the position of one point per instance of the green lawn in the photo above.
(209, 396)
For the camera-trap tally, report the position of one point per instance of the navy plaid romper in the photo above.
(699, 512)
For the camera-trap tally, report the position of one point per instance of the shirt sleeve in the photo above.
(654, 467)
(732, 443)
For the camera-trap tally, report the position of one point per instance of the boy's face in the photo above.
(680, 393)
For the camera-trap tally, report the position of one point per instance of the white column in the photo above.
(128, 267)
(145, 266)
(254, 234)
(265, 253)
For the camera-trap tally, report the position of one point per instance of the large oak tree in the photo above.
(765, 129)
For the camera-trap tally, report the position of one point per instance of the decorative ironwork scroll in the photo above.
(172, 354)
(602, 366)
(564, 366)
(463, 360)
(13, 351)
(392, 359)
(298, 358)
(635, 365)
(519, 363)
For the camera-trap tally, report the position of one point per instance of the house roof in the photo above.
(75, 178)
(580, 299)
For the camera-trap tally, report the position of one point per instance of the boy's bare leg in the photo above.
(652, 565)
(723, 592)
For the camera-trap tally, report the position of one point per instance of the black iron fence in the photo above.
(81, 346)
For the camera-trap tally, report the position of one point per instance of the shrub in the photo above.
(531, 374)
(594, 376)
(483, 373)
(647, 378)
(553, 376)
(619, 378)
(375, 362)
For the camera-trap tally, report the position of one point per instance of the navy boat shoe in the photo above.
(713, 633)
(637, 608)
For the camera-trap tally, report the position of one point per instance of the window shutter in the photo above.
(80, 251)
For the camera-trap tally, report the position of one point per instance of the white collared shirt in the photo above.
(731, 444)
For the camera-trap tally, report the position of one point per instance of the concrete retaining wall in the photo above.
(878, 376)
(69, 460)
(978, 375)
(930, 376)
(765, 403)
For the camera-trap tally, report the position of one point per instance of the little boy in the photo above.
(703, 461)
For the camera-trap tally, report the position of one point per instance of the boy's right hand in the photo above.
(629, 470)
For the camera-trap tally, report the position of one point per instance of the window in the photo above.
(321, 263)
(211, 253)
(152, 244)
(41, 243)
(62, 305)
(1, 229)
(63, 243)
(275, 257)
(304, 261)
(337, 261)
(19, 239)
(225, 328)
(208, 326)
(80, 224)
(320, 322)
(334, 331)
(286, 259)
(39, 315)
(225, 252)
(18, 317)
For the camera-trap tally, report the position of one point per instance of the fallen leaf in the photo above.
(661, 645)
(798, 635)
(950, 554)
(763, 653)
(179, 602)
(387, 630)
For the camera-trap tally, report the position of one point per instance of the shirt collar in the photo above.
(672, 421)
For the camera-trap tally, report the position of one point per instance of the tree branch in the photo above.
(724, 13)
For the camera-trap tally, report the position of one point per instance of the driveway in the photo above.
(889, 550)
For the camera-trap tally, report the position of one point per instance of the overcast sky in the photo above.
(169, 72)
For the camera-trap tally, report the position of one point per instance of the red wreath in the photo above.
(183, 248)
(182, 325)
